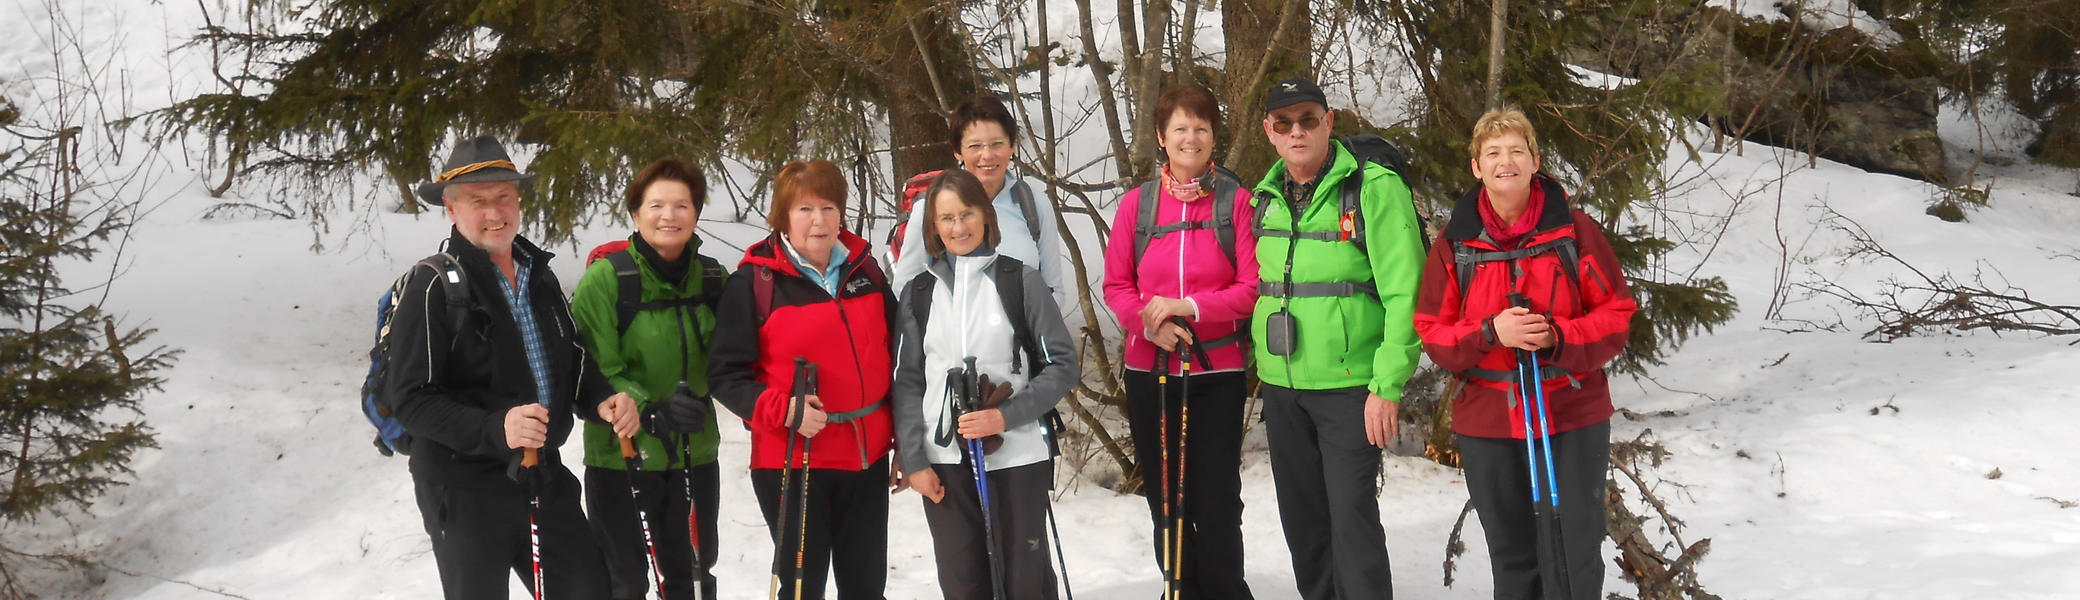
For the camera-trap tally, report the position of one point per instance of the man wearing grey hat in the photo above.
(483, 365)
(1341, 259)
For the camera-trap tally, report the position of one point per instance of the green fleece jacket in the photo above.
(1346, 341)
(648, 361)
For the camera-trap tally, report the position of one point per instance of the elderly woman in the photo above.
(985, 136)
(646, 314)
(1187, 255)
(959, 310)
(1552, 294)
(811, 293)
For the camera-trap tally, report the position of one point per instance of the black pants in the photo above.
(1498, 477)
(480, 535)
(1328, 492)
(1018, 502)
(1212, 565)
(847, 534)
(664, 500)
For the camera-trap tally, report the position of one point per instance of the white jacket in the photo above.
(967, 319)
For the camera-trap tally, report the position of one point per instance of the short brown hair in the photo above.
(969, 189)
(1499, 122)
(981, 109)
(1194, 100)
(669, 168)
(818, 177)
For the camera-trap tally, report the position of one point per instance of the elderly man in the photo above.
(485, 367)
(1341, 257)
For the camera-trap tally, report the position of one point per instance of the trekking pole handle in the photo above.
(529, 457)
(628, 448)
(1519, 300)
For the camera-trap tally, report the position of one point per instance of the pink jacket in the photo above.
(1184, 264)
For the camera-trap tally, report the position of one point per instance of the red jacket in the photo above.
(1593, 320)
(751, 363)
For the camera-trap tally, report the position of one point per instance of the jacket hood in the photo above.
(1466, 215)
(770, 254)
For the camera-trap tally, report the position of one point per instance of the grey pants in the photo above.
(1498, 477)
(1328, 492)
(1018, 497)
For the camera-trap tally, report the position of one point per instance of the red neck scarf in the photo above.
(1185, 191)
(1506, 235)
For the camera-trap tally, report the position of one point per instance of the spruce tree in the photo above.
(72, 381)
(1608, 144)
(345, 87)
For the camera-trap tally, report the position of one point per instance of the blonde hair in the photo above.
(1499, 122)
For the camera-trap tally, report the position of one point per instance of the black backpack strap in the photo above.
(1023, 194)
(1011, 290)
(1145, 219)
(1224, 188)
(712, 279)
(921, 301)
(455, 282)
(1570, 255)
(628, 280)
(1352, 195)
(1465, 259)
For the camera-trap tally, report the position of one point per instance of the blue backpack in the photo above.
(391, 438)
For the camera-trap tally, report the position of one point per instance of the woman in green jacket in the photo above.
(646, 313)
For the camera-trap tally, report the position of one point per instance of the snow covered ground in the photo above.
(1820, 464)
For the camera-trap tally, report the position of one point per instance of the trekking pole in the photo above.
(1184, 432)
(801, 503)
(800, 404)
(635, 463)
(693, 521)
(529, 457)
(1531, 384)
(971, 401)
(1062, 557)
(1163, 443)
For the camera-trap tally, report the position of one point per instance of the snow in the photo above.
(1820, 464)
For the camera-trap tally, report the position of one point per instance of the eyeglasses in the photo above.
(970, 215)
(1307, 123)
(996, 146)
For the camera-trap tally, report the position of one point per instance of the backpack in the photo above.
(915, 186)
(1225, 184)
(1367, 148)
(629, 279)
(391, 438)
(1025, 347)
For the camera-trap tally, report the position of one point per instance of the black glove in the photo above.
(681, 413)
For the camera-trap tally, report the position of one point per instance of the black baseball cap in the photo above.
(1294, 91)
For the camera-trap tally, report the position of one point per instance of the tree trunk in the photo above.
(1249, 27)
(917, 130)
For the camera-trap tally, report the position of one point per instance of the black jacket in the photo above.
(452, 392)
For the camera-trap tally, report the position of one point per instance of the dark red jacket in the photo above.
(751, 363)
(1593, 320)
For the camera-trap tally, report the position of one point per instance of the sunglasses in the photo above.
(1307, 123)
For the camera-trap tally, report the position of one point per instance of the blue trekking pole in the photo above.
(1546, 507)
(971, 400)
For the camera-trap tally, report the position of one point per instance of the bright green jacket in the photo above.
(1345, 341)
(647, 362)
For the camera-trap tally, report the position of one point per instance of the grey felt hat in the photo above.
(478, 159)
